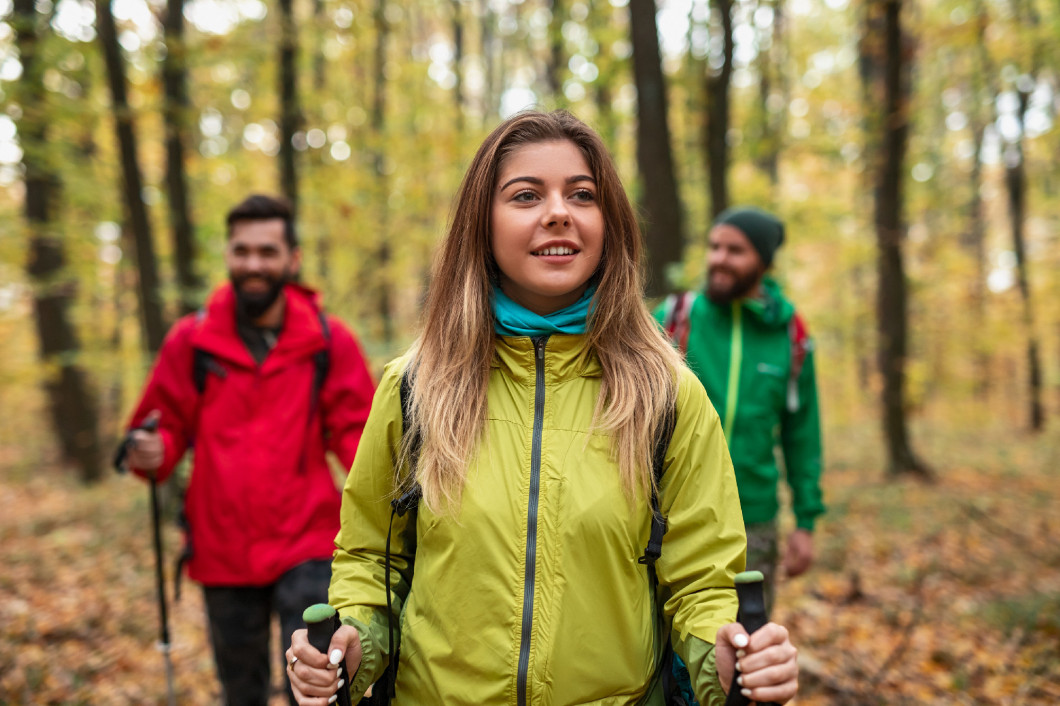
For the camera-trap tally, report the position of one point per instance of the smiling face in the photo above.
(734, 267)
(546, 227)
(259, 263)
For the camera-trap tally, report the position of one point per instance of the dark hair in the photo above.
(258, 207)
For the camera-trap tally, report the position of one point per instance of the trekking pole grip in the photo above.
(752, 615)
(321, 621)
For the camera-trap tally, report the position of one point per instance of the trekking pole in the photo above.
(752, 615)
(321, 621)
(164, 645)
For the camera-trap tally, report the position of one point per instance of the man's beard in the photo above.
(741, 285)
(254, 304)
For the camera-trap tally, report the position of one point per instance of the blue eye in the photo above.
(524, 196)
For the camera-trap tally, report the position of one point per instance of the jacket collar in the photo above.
(566, 358)
(772, 308)
(300, 336)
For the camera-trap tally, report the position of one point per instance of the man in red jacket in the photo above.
(262, 384)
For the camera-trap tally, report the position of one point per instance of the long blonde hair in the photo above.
(450, 362)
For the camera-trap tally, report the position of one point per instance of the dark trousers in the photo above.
(240, 623)
(763, 554)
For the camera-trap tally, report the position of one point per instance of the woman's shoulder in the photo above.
(389, 387)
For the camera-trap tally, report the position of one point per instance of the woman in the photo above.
(536, 394)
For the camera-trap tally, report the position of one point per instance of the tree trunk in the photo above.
(717, 114)
(974, 239)
(886, 61)
(142, 240)
(458, 61)
(319, 61)
(72, 402)
(290, 111)
(664, 230)
(378, 122)
(557, 61)
(773, 78)
(175, 114)
(1016, 184)
(603, 87)
(975, 242)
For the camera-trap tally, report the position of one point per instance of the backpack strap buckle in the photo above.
(653, 551)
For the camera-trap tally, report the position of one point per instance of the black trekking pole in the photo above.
(321, 621)
(164, 645)
(752, 615)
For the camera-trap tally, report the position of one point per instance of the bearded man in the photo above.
(744, 341)
(263, 384)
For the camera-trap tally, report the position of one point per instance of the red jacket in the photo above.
(261, 497)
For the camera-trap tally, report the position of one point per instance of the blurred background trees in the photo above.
(910, 146)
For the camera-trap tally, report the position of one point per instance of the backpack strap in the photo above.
(676, 322)
(203, 363)
(407, 503)
(652, 552)
(801, 345)
(658, 523)
(321, 367)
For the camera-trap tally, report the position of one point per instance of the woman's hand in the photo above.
(765, 662)
(316, 677)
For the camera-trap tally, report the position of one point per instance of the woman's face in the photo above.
(546, 227)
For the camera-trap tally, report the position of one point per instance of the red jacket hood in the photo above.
(301, 335)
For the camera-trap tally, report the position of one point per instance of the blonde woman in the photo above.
(535, 396)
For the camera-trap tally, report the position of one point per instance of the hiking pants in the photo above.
(240, 623)
(763, 555)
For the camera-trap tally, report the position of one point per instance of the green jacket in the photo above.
(532, 592)
(742, 353)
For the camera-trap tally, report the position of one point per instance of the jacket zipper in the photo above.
(531, 518)
(735, 361)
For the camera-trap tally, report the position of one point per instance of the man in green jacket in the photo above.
(744, 341)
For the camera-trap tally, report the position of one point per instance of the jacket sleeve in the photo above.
(346, 397)
(171, 390)
(358, 585)
(800, 439)
(703, 671)
(705, 545)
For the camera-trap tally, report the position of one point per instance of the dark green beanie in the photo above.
(764, 230)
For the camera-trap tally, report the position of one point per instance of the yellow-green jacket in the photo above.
(531, 592)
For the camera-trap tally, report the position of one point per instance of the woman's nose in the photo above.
(556, 213)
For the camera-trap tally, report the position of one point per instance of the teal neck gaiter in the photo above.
(511, 319)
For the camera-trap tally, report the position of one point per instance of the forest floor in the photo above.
(943, 593)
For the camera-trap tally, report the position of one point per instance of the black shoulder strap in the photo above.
(200, 361)
(658, 523)
(415, 442)
(322, 358)
(652, 552)
(407, 503)
(200, 368)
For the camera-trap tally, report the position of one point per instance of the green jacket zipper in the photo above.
(735, 361)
